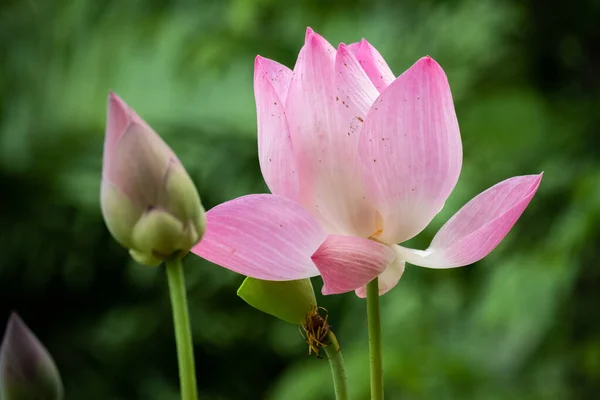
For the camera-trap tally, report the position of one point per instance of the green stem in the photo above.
(183, 337)
(336, 362)
(374, 319)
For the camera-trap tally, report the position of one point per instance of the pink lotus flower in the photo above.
(357, 161)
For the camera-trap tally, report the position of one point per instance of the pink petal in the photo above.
(278, 75)
(117, 122)
(262, 236)
(477, 228)
(411, 150)
(119, 119)
(347, 262)
(325, 141)
(388, 278)
(355, 94)
(271, 81)
(373, 63)
(135, 158)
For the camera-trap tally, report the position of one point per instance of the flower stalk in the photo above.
(338, 371)
(183, 337)
(375, 353)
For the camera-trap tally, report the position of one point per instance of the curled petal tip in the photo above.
(13, 315)
(309, 33)
(315, 41)
(116, 102)
(535, 180)
(427, 61)
(258, 60)
(343, 49)
(15, 323)
(258, 67)
(364, 44)
(117, 115)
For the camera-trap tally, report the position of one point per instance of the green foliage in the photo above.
(522, 323)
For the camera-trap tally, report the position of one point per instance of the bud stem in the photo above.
(375, 353)
(183, 337)
(336, 362)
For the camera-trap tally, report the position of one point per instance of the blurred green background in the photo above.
(521, 324)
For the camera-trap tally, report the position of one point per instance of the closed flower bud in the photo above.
(27, 370)
(149, 202)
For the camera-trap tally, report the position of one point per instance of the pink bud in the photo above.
(149, 202)
(27, 370)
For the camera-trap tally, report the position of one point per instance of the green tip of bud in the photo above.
(27, 370)
(145, 259)
(289, 301)
(168, 228)
(159, 235)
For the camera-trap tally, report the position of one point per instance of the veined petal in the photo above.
(135, 158)
(373, 63)
(325, 140)
(388, 278)
(271, 82)
(348, 262)
(355, 92)
(278, 75)
(120, 121)
(411, 150)
(311, 120)
(262, 236)
(477, 228)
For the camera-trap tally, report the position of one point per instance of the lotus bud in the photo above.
(289, 301)
(149, 202)
(27, 370)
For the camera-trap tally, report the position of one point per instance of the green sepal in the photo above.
(289, 301)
